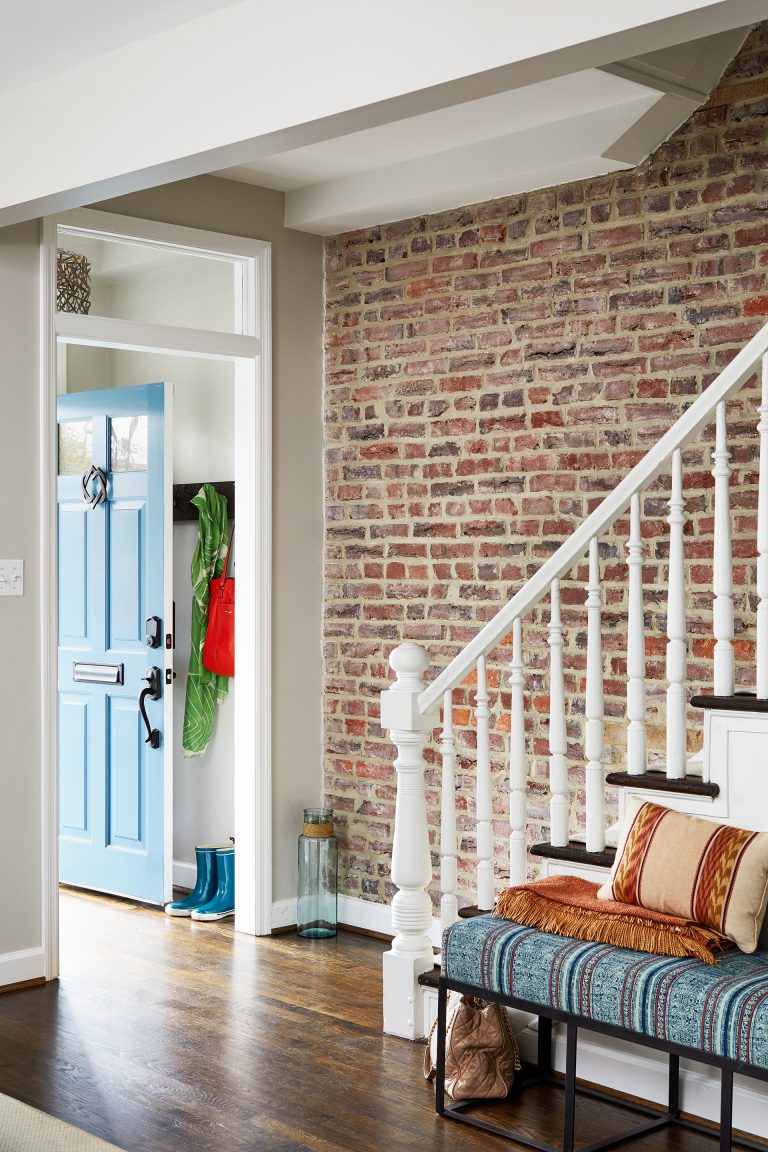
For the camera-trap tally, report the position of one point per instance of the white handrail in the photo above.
(644, 473)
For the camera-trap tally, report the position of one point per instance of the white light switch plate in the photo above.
(11, 577)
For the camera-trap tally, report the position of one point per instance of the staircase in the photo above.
(413, 709)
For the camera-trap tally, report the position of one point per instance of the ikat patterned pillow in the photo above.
(685, 866)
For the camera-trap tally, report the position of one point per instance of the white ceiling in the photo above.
(40, 38)
(338, 104)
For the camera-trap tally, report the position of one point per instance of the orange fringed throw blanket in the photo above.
(568, 906)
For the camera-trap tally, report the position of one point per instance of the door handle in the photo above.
(153, 691)
(97, 495)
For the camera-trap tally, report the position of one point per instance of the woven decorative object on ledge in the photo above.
(73, 282)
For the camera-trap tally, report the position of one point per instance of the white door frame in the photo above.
(251, 355)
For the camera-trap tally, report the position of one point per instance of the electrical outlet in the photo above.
(11, 577)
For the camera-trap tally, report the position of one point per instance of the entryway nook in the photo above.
(163, 303)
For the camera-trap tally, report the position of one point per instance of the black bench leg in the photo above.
(674, 1085)
(569, 1119)
(726, 1109)
(544, 1053)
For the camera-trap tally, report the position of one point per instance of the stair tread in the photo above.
(740, 702)
(576, 852)
(472, 910)
(430, 979)
(659, 782)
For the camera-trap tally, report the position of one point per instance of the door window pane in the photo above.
(146, 283)
(128, 444)
(75, 447)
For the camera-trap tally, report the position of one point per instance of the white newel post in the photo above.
(762, 545)
(722, 586)
(411, 952)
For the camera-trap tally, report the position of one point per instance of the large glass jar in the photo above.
(318, 874)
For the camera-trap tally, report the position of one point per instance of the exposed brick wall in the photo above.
(492, 372)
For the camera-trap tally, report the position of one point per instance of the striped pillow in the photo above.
(685, 866)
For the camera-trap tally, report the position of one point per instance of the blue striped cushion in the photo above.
(720, 1009)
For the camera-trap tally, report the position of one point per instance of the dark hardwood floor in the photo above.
(164, 1035)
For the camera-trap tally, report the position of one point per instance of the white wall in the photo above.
(21, 955)
(199, 293)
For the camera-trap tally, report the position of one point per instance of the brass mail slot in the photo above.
(97, 673)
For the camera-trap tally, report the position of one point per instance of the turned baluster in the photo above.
(448, 904)
(676, 647)
(636, 742)
(722, 574)
(517, 766)
(594, 707)
(484, 813)
(558, 770)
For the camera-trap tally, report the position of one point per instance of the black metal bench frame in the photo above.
(542, 1072)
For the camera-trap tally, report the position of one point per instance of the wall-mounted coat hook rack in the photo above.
(183, 509)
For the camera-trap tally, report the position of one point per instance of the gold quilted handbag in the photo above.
(481, 1054)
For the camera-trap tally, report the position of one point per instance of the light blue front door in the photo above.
(111, 531)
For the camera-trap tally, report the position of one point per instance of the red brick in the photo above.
(452, 263)
(540, 248)
(616, 237)
(428, 286)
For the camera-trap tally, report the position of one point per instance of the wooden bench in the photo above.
(713, 1014)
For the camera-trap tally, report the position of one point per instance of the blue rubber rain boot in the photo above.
(205, 885)
(223, 903)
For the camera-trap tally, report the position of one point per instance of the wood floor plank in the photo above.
(164, 1035)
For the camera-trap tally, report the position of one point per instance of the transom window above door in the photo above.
(147, 283)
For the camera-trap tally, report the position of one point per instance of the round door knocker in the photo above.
(99, 493)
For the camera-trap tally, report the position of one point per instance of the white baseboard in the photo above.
(184, 875)
(16, 967)
(284, 914)
(357, 913)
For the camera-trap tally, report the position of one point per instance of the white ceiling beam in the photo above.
(569, 149)
(692, 81)
(254, 79)
(651, 129)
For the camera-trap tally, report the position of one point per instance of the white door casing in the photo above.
(251, 354)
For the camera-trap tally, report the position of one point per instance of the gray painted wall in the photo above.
(20, 923)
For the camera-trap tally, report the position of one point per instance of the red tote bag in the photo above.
(219, 646)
